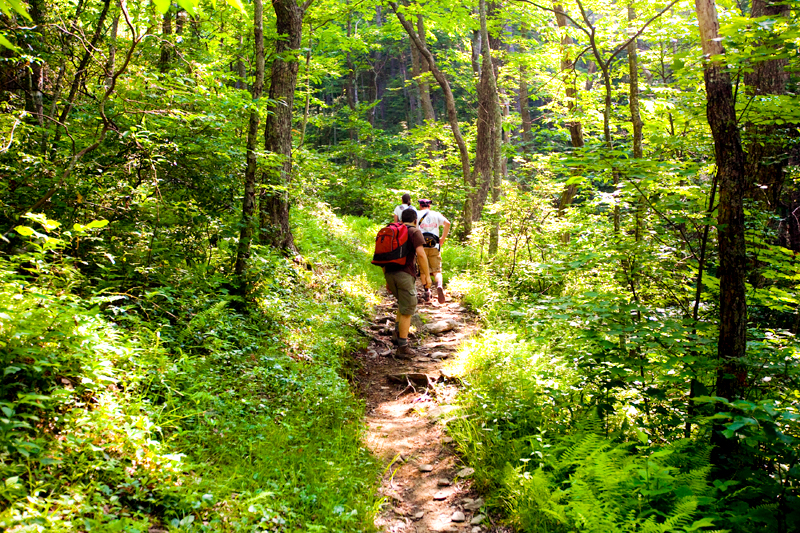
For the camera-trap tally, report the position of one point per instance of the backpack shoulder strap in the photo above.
(423, 218)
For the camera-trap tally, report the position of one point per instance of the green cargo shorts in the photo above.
(403, 286)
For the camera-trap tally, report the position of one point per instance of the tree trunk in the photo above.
(112, 50)
(498, 168)
(524, 110)
(80, 72)
(765, 160)
(166, 44)
(34, 95)
(249, 200)
(574, 126)
(274, 198)
(721, 113)
(424, 88)
(452, 115)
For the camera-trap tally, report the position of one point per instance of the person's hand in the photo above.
(441, 241)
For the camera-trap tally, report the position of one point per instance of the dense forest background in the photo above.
(188, 199)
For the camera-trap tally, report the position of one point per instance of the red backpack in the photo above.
(391, 245)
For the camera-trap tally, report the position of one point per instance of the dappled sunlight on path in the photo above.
(408, 403)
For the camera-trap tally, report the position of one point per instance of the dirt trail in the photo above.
(408, 401)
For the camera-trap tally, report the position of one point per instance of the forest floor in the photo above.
(408, 404)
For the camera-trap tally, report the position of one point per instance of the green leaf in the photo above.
(237, 4)
(16, 5)
(162, 5)
(189, 5)
(25, 231)
(97, 224)
(8, 44)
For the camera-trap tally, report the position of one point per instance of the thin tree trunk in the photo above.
(732, 372)
(166, 45)
(424, 88)
(307, 105)
(80, 73)
(452, 115)
(34, 95)
(575, 127)
(249, 200)
(524, 109)
(112, 50)
(497, 122)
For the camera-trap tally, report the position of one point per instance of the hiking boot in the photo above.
(426, 295)
(395, 336)
(404, 351)
(440, 294)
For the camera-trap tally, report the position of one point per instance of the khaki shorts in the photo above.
(434, 260)
(404, 287)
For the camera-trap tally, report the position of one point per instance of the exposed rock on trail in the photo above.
(424, 482)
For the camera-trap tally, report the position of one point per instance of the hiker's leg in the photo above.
(406, 302)
(403, 325)
(435, 265)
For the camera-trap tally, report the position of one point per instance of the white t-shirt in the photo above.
(399, 210)
(432, 221)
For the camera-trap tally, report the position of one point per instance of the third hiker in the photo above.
(402, 207)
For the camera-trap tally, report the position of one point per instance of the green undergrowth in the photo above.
(577, 415)
(182, 406)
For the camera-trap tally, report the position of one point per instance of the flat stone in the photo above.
(465, 472)
(477, 519)
(458, 516)
(440, 326)
(476, 529)
(474, 505)
(446, 440)
(419, 515)
(426, 468)
(423, 359)
(440, 355)
(443, 482)
(441, 495)
(399, 511)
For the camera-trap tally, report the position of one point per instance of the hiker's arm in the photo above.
(422, 260)
(445, 231)
(396, 220)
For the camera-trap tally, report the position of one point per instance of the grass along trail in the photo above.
(407, 406)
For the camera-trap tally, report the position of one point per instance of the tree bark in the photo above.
(80, 73)
(765, 158)
(424, 88)
(274, 199)
(112, 50)
(34, 95)
(524, 110)
(249, 200)
(721, 113)
(166, 44)
(575, 127)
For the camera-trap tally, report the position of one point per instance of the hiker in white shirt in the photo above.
(402, 207)
(429, 222)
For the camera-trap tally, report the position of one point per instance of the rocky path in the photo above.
(408, 402)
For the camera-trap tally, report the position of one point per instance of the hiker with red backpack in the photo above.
(398, 247)
(429, 222)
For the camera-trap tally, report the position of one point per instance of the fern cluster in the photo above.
(593, 485)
